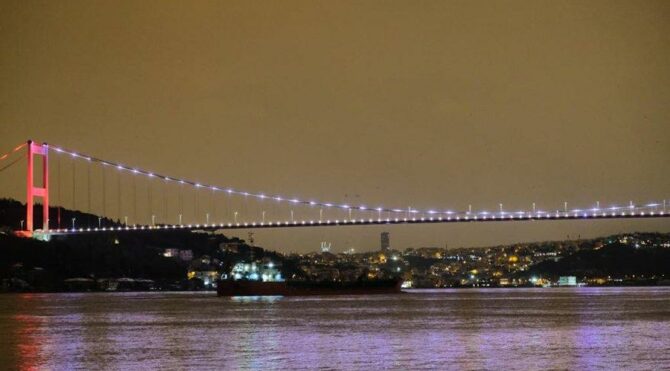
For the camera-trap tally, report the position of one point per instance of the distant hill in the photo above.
(614, 259)
(135, 254)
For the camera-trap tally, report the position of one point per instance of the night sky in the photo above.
(431, 104)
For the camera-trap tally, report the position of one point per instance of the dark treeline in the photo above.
(13, 213)
(133, 254)
(614, 259)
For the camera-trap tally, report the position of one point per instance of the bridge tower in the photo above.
(32, 191)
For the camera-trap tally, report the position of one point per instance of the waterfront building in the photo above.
(567, 281)
(171, 253)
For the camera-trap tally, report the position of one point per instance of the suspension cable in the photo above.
(118, 197)
(408, 213)
(134, 201)
(14, 150)
(104, 194)
(59, 200)
(11, 163)
(88, 194)
(74, 186)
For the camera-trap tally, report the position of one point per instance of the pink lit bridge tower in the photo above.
(32, 191)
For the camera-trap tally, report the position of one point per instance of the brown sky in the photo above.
(433, 104)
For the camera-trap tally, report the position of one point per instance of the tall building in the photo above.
(386, 241)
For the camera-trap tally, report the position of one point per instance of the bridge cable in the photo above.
(88, 194)
(410, 213)
(59, 200)
(212, 201)
(11, 163)
(74, 186)
(165, 202)
(118, 196)
(134, 201)
(150, 200)
(14, 150)
(181, 202)
(104, 194)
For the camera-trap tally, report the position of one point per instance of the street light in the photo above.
(99, 222)
(73, 222)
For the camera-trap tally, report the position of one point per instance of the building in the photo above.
(186, 255)
(385, 241)
(171, 253)
(567, 281)
(230, 247)
(208, 278)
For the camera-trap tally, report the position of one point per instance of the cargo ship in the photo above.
(304, 288)
(261, 279)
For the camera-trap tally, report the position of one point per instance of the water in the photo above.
(522, 329)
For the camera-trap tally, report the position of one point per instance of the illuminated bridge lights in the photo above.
(409, 215)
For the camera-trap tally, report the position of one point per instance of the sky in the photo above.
(428, 104)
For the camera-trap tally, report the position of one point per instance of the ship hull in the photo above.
(302, 288)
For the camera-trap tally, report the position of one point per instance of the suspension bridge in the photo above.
(141, 200)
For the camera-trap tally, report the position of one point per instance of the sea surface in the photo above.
(463, 329)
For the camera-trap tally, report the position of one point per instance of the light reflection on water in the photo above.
(582, 328)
